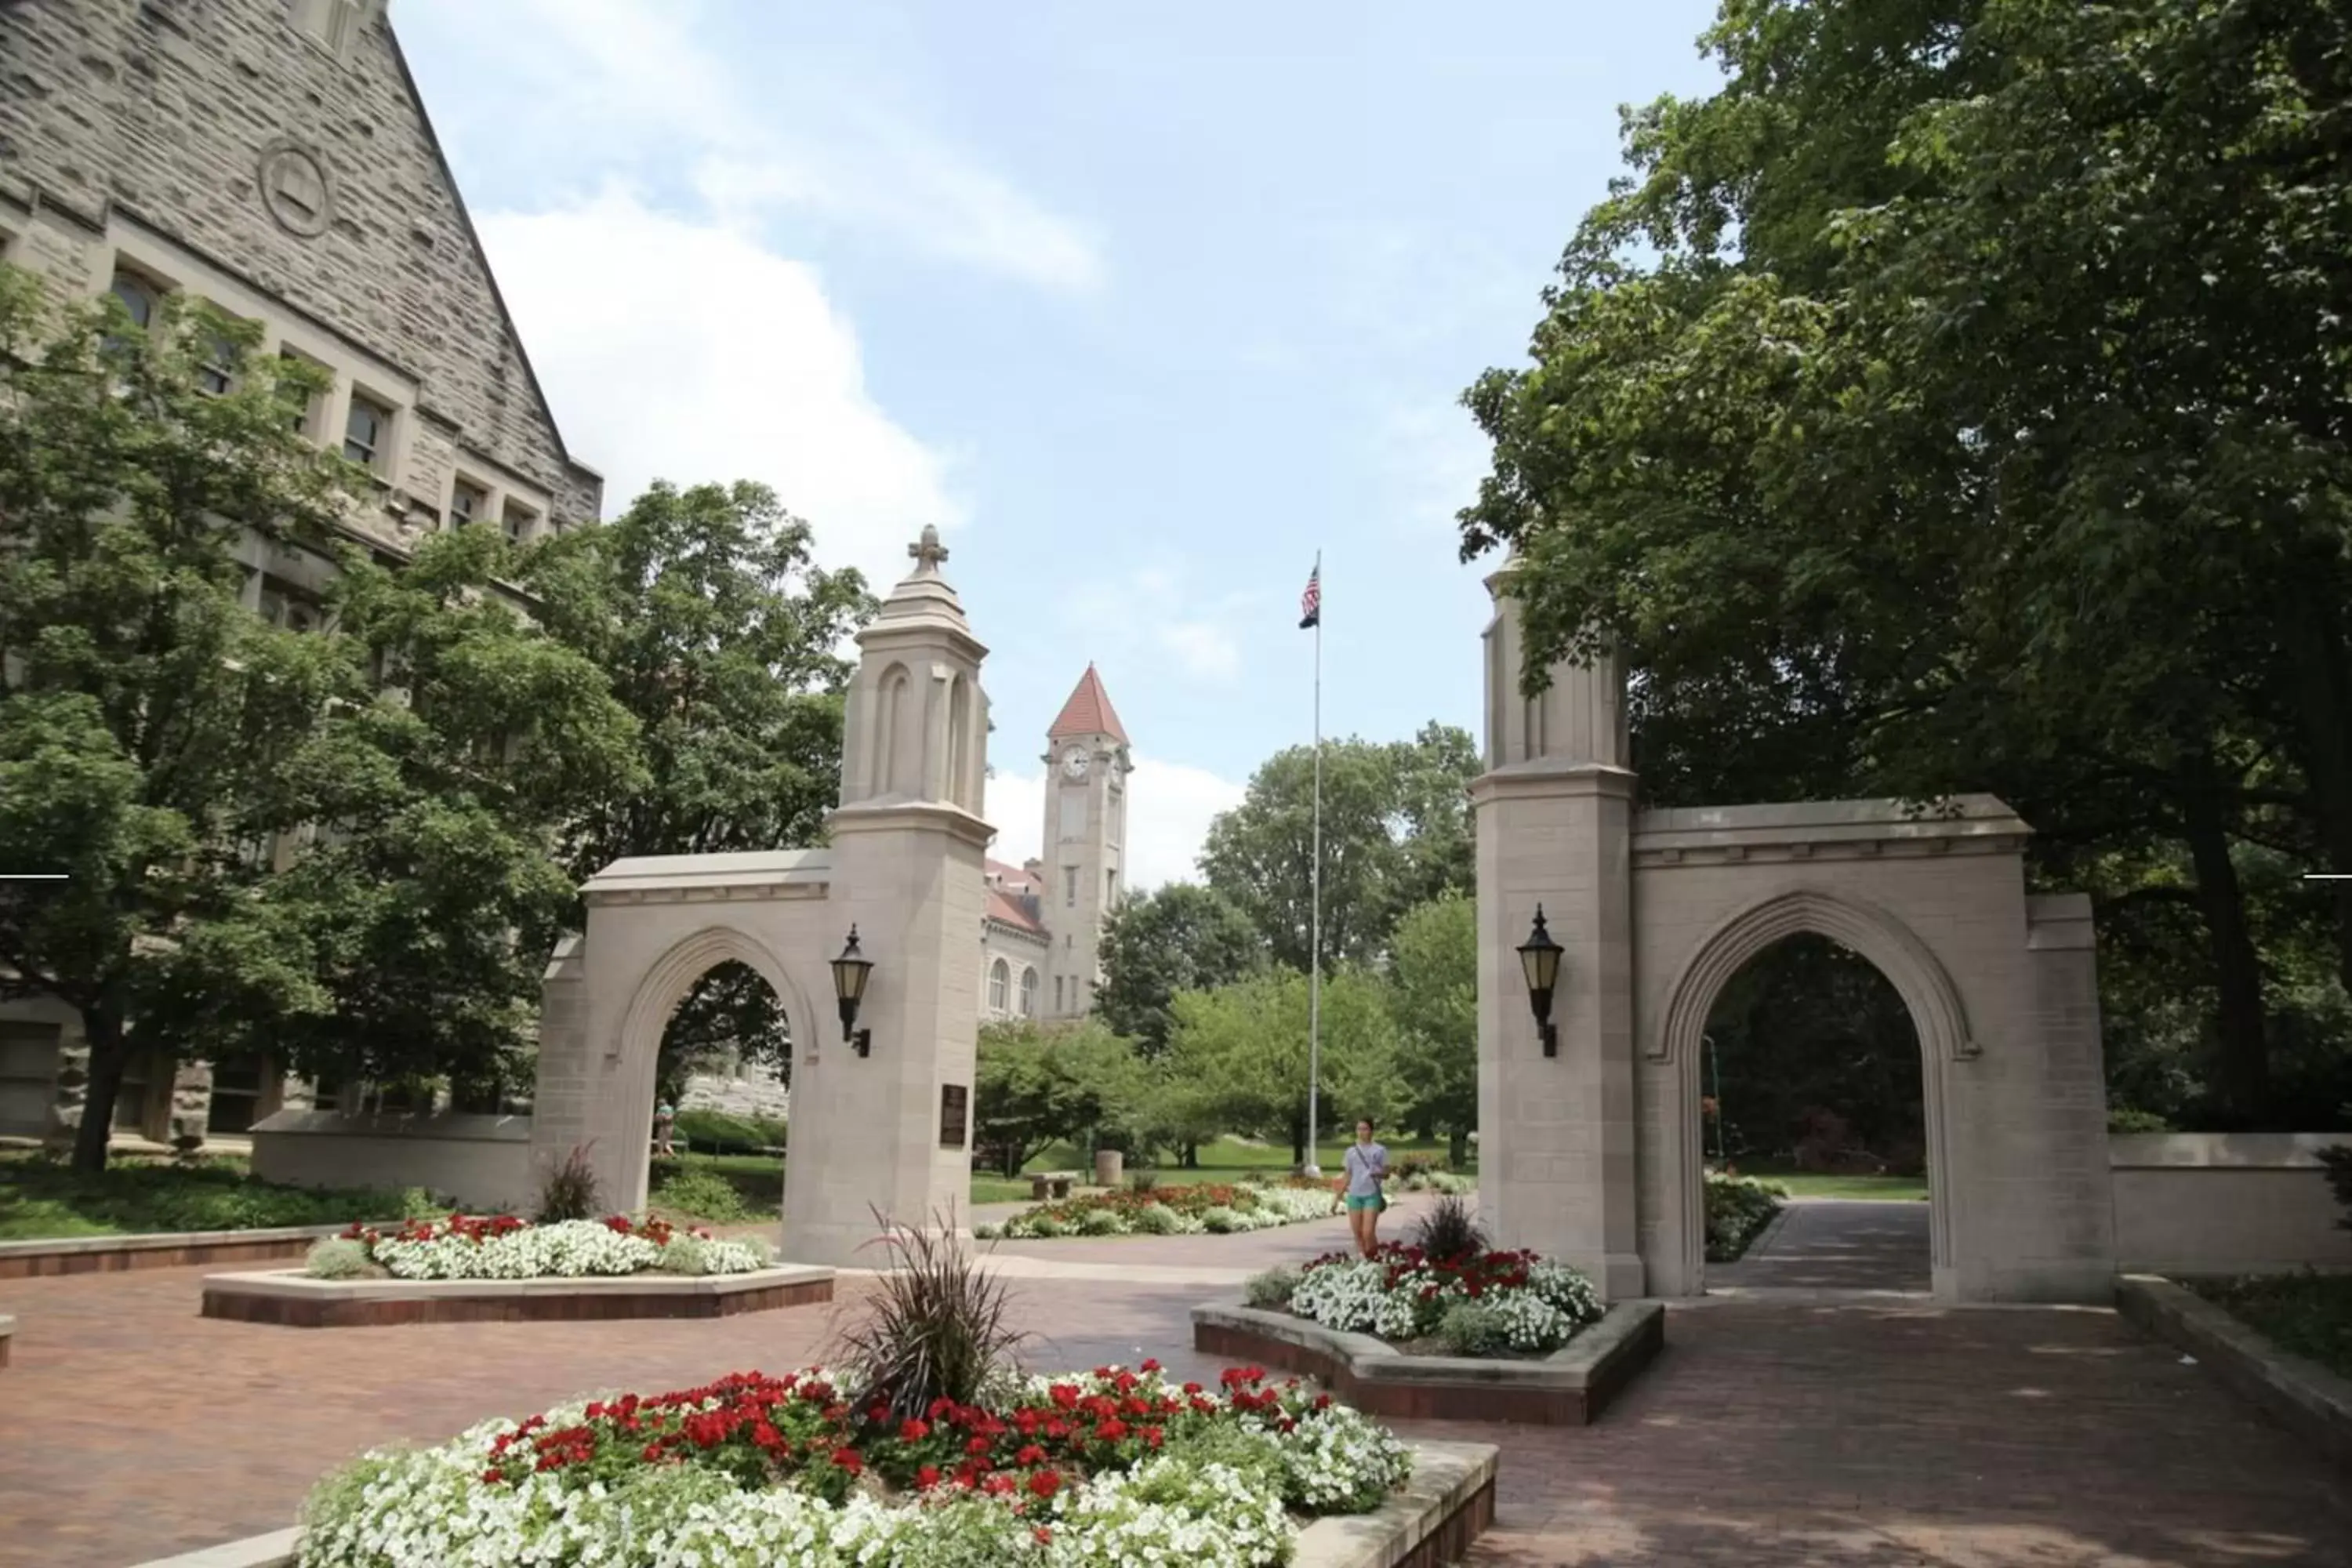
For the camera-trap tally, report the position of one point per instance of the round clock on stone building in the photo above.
(1074, 766)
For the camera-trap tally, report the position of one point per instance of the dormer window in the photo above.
(466, 503)
(518, 520)
(332, 24)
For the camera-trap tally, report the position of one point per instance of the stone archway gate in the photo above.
(1594, 1155)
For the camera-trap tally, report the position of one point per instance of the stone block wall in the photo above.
(2225, 1202)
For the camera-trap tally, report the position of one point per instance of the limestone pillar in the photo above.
(1554, 825)
(890, 1132)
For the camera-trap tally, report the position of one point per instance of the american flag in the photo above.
(1310, 602)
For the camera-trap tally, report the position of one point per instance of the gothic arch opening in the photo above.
(708, 1038)
(1810, 1075)
(1847, 937)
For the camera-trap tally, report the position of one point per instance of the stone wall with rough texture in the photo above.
(167, 108)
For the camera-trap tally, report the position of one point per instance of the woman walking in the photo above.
(1367, 1165)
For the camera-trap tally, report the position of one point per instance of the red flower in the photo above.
(928, 1477)
(1045, 1536)
(913, 1431)
(848, 1460)
(1046, 1483)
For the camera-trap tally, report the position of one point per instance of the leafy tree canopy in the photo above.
(1179, 937)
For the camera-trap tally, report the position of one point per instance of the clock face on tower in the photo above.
(1074, 766)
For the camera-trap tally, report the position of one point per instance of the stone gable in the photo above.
(310, 172)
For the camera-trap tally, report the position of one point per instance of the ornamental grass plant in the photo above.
(935, 1327)
(567, 1191)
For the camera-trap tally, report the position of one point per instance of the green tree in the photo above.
(1396, 832)
(1246, 1043)
(720, 632)
(142, 711)
(432, 890)
(1433, 995)
(2020, 314)
(1042, 1084)
(1179, 937)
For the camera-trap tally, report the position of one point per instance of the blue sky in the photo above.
(1142, 305)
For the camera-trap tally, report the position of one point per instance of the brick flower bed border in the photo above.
(298, 1301)
(156, 1249)
(2301, 1394)
(1448, 1504)
(1570, 1387)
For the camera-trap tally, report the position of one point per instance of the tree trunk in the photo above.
(108, 1059)
(1457, 1147)
(1299, 1140)
(2243, 1075)
(1191, 1158)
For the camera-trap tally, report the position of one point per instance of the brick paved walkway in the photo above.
(1860, 1437)
(1834, 1244)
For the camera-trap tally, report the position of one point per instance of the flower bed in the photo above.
(1474, 1303)
(502, 1246)
(1737, 1210)
(1214, 1209)
(1101, 1467)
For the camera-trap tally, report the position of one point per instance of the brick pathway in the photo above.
(1863, 1436)
(1834, 1244)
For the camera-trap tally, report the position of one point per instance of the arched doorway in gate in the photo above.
(723, 1070)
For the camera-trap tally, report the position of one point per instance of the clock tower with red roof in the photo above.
(1084, 871)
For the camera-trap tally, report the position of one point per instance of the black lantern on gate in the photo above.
(1540, 958)
(850, 973)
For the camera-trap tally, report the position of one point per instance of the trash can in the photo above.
(1111, 1167)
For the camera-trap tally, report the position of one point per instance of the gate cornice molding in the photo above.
(1885, 941)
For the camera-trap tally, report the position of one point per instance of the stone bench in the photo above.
(1044, 1185)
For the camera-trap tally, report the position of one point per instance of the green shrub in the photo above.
(1737, 1210)
(716, 1133)
(2124, 1119)
(683, 1254)
(2337, 1159)
(419, 1202)
(1102, 1222)
(703, 1195)
(1222, 1221)
(1142, 1181)
(1474, 1328)
(1047, 1226)
(1273, 1288)
(1158, 1220)
(337, 1259)
(987, 1233)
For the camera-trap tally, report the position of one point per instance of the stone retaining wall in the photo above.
(2302, 1395)
(2224, 1203)
(1571, 1387)
(298, 1301)
(169, 1249)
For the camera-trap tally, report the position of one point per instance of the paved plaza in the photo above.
(1775, 1429)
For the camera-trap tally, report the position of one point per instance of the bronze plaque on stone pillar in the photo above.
(953, 1101)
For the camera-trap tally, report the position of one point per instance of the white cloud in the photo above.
(1199, 633)
(623, 82)
(636, 324)
(1169, 808)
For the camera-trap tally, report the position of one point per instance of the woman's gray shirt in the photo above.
(1363, 1165)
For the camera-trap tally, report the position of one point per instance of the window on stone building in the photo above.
(1057, 993)
(1028, 993)
(367, 433)
(236, 1096)
(138, 297)
(215, 376)
(28, 1076)
(301, 404)
(288, 608)
(330, 24)
(1000, 980)
(518, 520)
(131, 1099)
(1069, 887)
(466, 503)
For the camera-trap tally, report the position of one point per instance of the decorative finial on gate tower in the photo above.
(927, 553)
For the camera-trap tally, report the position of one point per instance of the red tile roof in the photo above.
(1012, 879)
(1006, 907)
(1088, 712)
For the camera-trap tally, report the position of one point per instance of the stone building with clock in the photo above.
(1041, 939)
(274, 158)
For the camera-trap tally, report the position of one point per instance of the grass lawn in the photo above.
(2304, 1314)
(1231, 1160)
(40, 1199)
(1814, 1184)
(760, 1179)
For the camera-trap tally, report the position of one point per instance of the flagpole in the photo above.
(1315, 899)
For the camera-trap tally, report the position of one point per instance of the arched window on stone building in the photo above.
(1028, 993)
(1000, 976)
